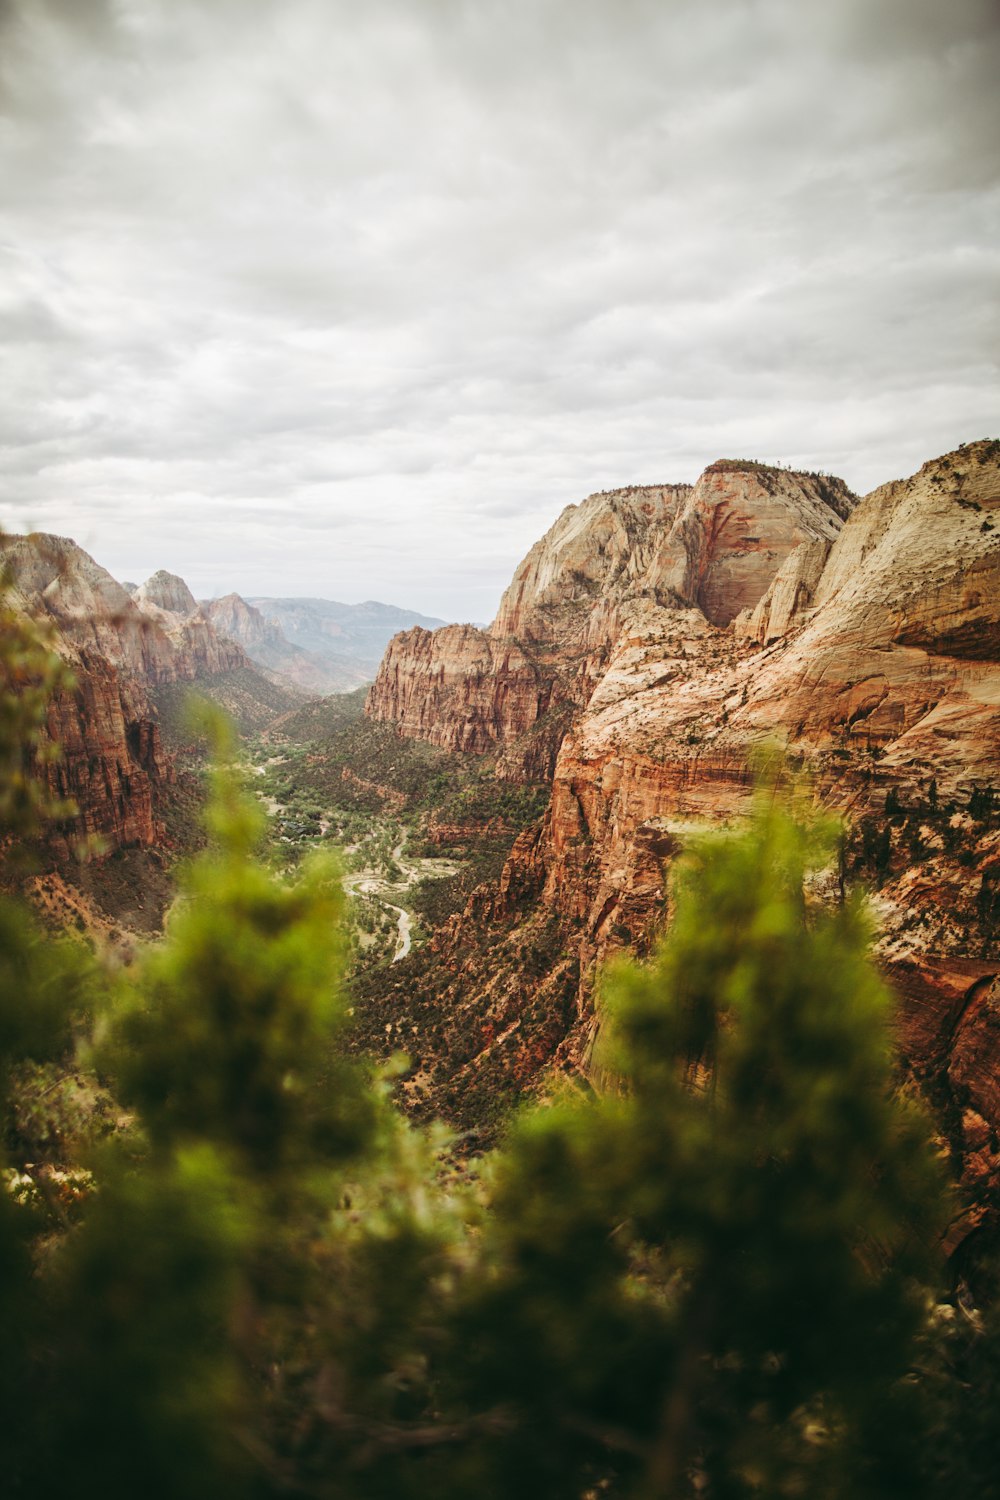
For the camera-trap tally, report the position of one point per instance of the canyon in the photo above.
(646, 647)
(343, 642)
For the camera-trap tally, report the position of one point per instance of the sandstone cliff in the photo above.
(714, 546)
(745, 607)
(111, 758)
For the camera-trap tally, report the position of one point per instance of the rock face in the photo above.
(715, 546)
(696, 623)
(267, 647)
(461, 688)
(165, 593)
(200, 650)
(112, 762)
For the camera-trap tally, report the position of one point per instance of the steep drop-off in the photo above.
(123, 650)
(745, 607)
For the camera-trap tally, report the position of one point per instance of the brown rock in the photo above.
(619, 555)
(460, 688)
(871, 645)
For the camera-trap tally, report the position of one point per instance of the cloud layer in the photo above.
(326, 298)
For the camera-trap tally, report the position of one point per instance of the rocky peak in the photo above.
(54, 569)
(233, 616)
(166, 591)
(714, 547)
(51, 575)
(201, 648)
(735, 530)
(601, 549)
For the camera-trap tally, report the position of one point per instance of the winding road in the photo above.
(370, 883)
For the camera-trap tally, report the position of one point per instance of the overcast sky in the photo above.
(351, 297)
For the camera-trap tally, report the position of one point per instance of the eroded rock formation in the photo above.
(694, 623)
(112, 764)
(714, 546)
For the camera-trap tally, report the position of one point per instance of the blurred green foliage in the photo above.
(712, 1273)
(746, 1227)
(31, 671)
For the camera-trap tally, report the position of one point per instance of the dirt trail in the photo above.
(369, 882)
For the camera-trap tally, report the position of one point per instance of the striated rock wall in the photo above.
(462, 689)
(871, 647)
(714, 546)
(111, 764)
(668, 732)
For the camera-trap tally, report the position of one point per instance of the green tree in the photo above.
(246, 1303)
(708, 1277)
(711, 1279)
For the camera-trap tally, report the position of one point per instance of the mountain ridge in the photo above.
(870, 647)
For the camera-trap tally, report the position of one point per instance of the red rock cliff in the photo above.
(112, 763)
(715, 545)
(871, 646)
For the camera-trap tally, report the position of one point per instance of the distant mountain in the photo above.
(272, 653)
(351, 637)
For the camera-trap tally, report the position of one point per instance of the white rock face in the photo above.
(165, 591)
(790, 596)
(167, 600)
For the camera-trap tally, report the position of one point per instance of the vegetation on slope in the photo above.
(714, 1274)
(251, 700)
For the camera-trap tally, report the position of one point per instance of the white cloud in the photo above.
(351, 300)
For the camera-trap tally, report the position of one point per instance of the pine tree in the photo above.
(711, 1280)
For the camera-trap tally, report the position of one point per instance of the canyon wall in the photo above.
(756, 604)
(111, 762)
(714, 546)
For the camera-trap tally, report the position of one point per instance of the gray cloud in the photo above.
(342, 299)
